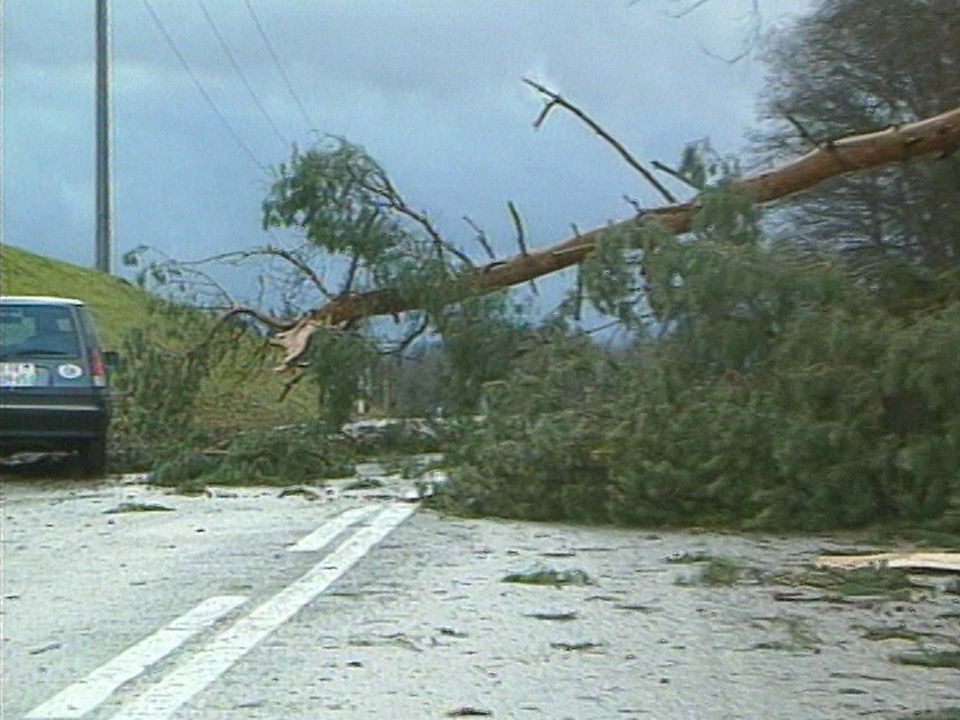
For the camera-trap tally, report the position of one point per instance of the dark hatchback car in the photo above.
(53, 381)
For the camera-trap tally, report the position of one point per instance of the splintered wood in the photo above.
(938, 561)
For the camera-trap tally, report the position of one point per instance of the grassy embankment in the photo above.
(242, 392)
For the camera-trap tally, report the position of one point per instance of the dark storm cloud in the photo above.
(431, 88)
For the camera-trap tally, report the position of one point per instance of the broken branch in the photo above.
(396, 201)
(481, 238)
(521, 241)
(937, 134)
(300, 265)
(662, 167)
(556, 99)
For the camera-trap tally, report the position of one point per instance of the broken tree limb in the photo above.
(557, 100)
(481, 238)
(911, 560)
(898, 143)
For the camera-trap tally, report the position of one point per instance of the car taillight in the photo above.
(98, 371)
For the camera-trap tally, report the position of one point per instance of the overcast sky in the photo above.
(430, 87)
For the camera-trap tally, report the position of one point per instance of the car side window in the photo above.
(89, 326)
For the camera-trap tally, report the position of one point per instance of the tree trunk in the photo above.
(854, 153)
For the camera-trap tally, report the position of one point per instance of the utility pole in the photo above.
(103, 141)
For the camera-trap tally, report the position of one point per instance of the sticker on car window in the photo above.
(18, 375)
(69, 371)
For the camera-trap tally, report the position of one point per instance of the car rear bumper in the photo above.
(43, 423)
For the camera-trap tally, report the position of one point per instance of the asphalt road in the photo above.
(82, 583)
(251, 605)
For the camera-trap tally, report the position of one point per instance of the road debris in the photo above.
(212, 492)
(576, 646)
(132, 507)
(467, 711)
(303, 491)
(929, 658)
(364, 483)
(451, 632)
(564, 616)
(924, 560)
(46, 648)
(543, 575)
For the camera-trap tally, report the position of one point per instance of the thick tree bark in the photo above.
(857, 152)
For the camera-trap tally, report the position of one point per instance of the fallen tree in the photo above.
(827, 159)
(786, 394)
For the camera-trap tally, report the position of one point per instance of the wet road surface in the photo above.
(251, 605)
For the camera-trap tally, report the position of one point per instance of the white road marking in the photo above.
(163, 699)
(84, 695)
(326, 533)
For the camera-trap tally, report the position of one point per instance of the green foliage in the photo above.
(536, 456)
(858, 433)
(159, 380)
(278, 456)
(613, 275)
(543, 575)
(137, 507)
(815, 436)
(339, 365)
(183, 471)
(774, 391)
(474, 343)
(857, 582)
(716, 571)
(841, 69)
(482, 336)
(546, 471)
(348, 208)
(333, 192)
(929, 658)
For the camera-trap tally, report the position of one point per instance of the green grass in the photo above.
(117, 304)
(242, 393)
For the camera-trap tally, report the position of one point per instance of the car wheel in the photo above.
(93, 457)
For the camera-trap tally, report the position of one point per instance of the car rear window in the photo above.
(37, 330)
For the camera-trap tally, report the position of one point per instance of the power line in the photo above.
(206, 96)
(239, 72)
(276, 60)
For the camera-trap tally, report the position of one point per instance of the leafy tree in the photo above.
(422, 272)
(763, 385)
(749, 397)
(160, 380)
(393, 261)
(481, 339)
(856, 64)
(346, 205)
(778, 394)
